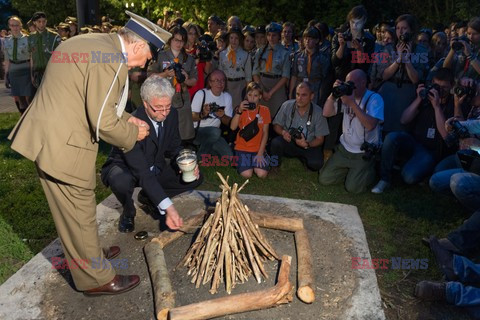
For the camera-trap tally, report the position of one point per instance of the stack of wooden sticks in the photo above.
(229, 245)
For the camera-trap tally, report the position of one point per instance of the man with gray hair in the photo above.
(145, 165)
(81, 100)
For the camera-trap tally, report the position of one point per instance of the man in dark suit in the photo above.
(145, 165)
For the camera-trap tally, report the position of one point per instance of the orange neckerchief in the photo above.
(268, 63)
(175, 78)
(232, 57)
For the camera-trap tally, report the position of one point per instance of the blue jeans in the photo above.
(401, 144)
(466, 188)
(462, 293)
(210, 141)
(467, 237)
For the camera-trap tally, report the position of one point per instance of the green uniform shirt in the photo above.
(41, 45)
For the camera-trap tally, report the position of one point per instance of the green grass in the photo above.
(394, 221)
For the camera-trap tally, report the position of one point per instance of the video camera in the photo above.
(296, 133)
(177, 67)
(344, 89)
(458, 132)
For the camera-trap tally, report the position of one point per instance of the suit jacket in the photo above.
(58, 129)
(148, 153)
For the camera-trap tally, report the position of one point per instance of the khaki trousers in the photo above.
(74, 213)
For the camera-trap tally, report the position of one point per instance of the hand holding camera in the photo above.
(178, 72)
(245, 105)
(343, 90)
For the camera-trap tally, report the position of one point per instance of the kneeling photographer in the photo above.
(212, 107)
(462, 176)
(354, 158)
(301, 129)
(423, 146)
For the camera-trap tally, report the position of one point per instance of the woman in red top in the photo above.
(251, 153)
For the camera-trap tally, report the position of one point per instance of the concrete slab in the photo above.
(39, 292)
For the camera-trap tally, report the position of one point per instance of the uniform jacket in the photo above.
(58, 129)
(148, 153)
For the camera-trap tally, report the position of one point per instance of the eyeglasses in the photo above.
(217, 80)
(14, 25)
(177, 40)
(161, 109)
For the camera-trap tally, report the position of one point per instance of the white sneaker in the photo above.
(380, 186)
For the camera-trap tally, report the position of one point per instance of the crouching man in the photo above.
(353, 160)
(145, 165)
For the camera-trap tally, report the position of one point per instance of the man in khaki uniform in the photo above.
(80, 101)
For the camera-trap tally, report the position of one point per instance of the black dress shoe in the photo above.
(445, 243)
(126, 223)
(444, 259)
(119, 284)
(111, 252)
(431, 291)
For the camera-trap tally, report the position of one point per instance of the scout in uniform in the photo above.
(63, 30)
(72, 22)
(42, 43)
(175, 55)
(237, 66)
(17, 64)
(272, 69)
(79, 103)
(309, 65)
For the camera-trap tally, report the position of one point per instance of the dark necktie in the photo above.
(160, 131)
(15, 45)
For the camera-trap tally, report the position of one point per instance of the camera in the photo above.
(426, 90)
(457, 45)
(344, 89)
(177, 67)
(406, 37)
(461, 91)
(470, 160)
(214, 107)
(206, 50)
(296, 133)
(347, 35)
(252, 106)
(458, 132)
(369, 149)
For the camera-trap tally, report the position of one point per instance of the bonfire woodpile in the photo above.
(229, 246)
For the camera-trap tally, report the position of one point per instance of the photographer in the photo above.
(211, 108)
(301, 128)
(353, 159)
(176, 65)
(424, 146)
(463, 57)
(406, 66)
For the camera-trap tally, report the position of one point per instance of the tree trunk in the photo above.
(306, 280)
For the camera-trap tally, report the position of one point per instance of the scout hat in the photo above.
(274, 27)
(39, 14)
(155, 36)
(63, 25)
(71, 20)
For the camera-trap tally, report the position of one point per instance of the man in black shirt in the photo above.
(424, 146)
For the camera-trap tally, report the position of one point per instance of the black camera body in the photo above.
(426, 90)
(370, 150)
(214, 107)
(461, 91)
(252, 106)
(206, 50)
(177, 67)
(406, 37)
(347, 35)
(457, 45)
(344, 89)
(458, 132)
(296, 133)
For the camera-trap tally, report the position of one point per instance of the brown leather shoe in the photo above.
(111, 252)
(119, 284)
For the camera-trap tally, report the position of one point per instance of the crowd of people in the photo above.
(347, 102)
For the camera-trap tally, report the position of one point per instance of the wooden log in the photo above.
(306, 280)
(162, 287)
(267, 298)
(270, 221)
(190, 224)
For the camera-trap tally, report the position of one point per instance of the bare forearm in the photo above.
(329, 107)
